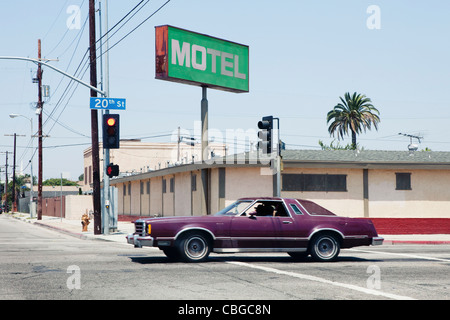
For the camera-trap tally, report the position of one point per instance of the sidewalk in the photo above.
(74, 228)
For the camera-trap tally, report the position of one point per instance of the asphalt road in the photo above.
(37, 263)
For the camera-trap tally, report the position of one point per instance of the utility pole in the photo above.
(94, 123)
(40, 106)
(13, 194)
(14, 204)
(6, 182)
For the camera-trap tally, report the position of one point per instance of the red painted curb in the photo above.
(411, 225)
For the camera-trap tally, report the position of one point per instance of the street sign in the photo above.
(107, 103)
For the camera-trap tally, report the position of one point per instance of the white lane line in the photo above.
(322, 280)
(401, 254)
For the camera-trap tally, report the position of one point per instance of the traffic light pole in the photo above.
(278, 160)
(266, 145)
(106, 155)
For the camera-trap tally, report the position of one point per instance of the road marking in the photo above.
(322, 280)
(402, 254)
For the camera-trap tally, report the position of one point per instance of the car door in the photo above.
(252, 230)
(289, 230)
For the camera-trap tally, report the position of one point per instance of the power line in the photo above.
(113, 27)
(134, 29)
(64, 35)
(70, 84)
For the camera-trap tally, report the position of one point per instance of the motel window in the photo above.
(172, 184)
(314, 182)
(142, 187)
(403, 180)
(164, 185)
(124, 189)
(129, 189)
(148, 187)
(194, 182)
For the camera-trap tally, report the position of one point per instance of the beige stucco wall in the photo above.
(429, 196)
(247, 182)
(348, 204)
(77, 205)
(182, 194)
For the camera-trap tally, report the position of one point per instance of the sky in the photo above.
(304, 55)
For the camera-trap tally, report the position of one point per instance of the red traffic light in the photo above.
(111, 137)
(111, 122)
(112, 170)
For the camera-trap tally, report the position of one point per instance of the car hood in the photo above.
(184, 219)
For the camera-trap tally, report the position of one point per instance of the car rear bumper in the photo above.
(139, 241)
(377, 241)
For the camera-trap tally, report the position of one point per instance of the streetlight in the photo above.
(15, 115)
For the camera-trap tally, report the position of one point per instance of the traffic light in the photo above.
(112, 170)
(111, 137)
(266, 126)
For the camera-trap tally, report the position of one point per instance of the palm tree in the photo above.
(354, 113)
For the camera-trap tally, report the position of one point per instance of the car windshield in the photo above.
(234, 209)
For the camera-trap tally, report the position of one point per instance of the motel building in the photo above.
(353, 183)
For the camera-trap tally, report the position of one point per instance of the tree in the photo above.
(337, 146)
(353, 114)
(57, 182)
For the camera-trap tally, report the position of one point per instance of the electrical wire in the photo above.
(123, 18)
(135, 28)
(71, 82)
(64, 35)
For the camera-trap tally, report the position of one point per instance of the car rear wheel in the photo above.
(325, 247)
(194, 247)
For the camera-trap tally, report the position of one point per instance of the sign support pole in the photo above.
(204, 151)
(204, 116)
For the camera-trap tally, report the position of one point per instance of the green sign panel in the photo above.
(193, 58)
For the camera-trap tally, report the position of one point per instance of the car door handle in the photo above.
(287, 222)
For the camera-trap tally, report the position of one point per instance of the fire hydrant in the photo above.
(85, 221)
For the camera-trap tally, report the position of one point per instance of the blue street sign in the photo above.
(107, 103)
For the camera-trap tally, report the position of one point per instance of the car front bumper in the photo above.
(139, 241)
(377, 241)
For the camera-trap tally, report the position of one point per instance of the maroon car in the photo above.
(298, 227)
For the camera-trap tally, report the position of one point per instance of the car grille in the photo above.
(140, 228)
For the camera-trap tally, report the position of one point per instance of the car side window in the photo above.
(296, 209)
(267, 209)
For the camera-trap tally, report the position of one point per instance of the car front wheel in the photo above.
(325, 247)
(194, 248)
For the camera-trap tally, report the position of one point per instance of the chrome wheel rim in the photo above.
(196, 248)
(326, 247)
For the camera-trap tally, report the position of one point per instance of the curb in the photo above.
(70, 233)
(394, 242)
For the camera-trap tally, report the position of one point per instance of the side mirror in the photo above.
(252, 215)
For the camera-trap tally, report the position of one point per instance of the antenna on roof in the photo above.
(411, 146)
